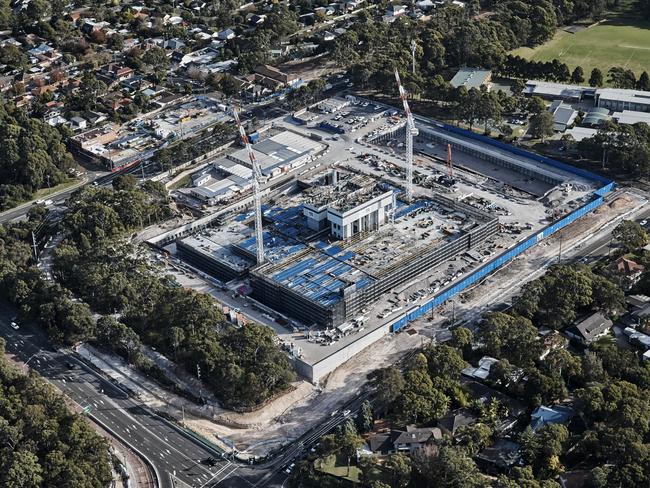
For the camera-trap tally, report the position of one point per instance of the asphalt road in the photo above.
(170, 452)
(178, 461)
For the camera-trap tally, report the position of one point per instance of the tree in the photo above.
(622, 78)
(24, 471)
(511, 337)
(388, 384)
(364, 419)
(444, 361)
(644, 82)
(445, 467)
(349, 442)
(578, 75)
(596, 78)
(541, 125)
(543, 449)
(474, 438)
(399, 467)
(630, 235)
(462, 338)
(536, 105)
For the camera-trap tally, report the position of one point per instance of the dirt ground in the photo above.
(311, 68)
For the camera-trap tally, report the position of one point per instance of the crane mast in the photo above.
(411, 131)
(450, 164)
(257, 195)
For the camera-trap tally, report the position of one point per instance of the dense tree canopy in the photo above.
(33, 156)
(43, 444)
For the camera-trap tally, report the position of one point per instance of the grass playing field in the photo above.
(621, 42)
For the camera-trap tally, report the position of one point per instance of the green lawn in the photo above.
(337, 466)
(46, 192)
(621, 42)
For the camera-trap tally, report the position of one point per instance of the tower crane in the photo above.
(411, 131)
(450, 164)
(257, 194)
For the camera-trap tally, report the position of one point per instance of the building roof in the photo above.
(414, 435)
(503, 454)
(380, 442)
(596, 116)
(482, 371)
(470, 78)
(580, 133)
(557, 414)
(548, 89)
(574, 479)
(563, 115)
(638, 338)
(451, 422)
(637, 301)
(631, 117)
(591, 327)
(627, 266)
(623, 95)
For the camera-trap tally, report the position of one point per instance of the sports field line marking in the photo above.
(627, 46)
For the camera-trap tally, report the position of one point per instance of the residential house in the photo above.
(414, 438)
(255, 19)
(637, 338)
(482, 371)
(94, 117)
(485, 395)
(115, 72)
(556, 414)
(173, 44)
(574, 479)
(589, 329)
(78, 123)
(551, 340)
(637, 301)
(395, 10)
(226, 35)
(500, 457)
(408, 440)
(629, 269)
(453, 421)
(276, 75)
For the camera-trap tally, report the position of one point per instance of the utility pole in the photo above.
(411, 131)
(198, 375)
(257, 194)
(413, 48)
(559, 255)
(35, 246)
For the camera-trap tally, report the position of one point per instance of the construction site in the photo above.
(401, 214)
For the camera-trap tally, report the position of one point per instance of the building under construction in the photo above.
(337, 244)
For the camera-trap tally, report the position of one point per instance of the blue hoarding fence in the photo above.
(502, 259)
(522, 152)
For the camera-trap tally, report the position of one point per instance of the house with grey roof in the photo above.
(589, 329)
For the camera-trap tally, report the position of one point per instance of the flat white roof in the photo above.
(622, 95)
(631, 117)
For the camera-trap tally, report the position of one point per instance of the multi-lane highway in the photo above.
(176, 459)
